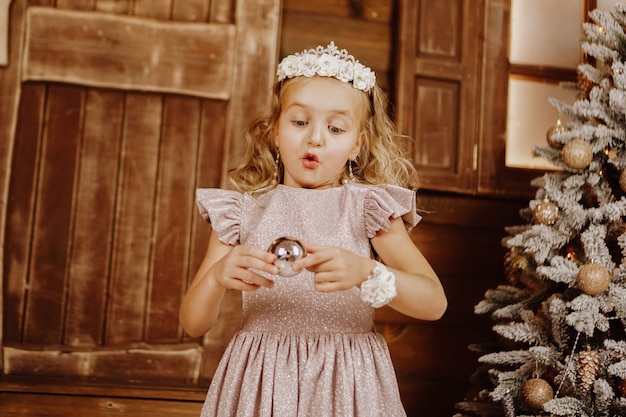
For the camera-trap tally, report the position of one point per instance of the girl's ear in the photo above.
(357, 146)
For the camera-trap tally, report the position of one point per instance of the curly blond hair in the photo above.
(382, 158)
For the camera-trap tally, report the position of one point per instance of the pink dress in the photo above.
(300, 352)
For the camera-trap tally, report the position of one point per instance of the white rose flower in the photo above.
(380, 288)
(288, 67)
(364, 78)
(328, 65)
(345, 72)
(308, 65)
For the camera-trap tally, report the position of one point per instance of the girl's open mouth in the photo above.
(310, 160)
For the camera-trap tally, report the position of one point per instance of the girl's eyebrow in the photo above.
(333, 111)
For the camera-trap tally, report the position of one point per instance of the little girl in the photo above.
(324, 167)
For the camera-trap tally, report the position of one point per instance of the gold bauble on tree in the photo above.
(536, 392)
(555, 130)
(593, 279)
(545, 213)
(577, 154)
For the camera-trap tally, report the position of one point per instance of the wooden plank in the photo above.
(154, 9)
(75, 4)
(95, 208)
(134, 220)
(45, 405)
(191, 10)
(254, 69)
(9, 99)
(368, 41)
(367, 10)
(156, 364)
(4, 31)
(20, 208)
(53, 216)
(113, 6)
(74, 386)
(129, 53)
(174, 210)
(208, 175)
(222, 11)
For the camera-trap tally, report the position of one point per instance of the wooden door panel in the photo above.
(436, 113)
(118, 119)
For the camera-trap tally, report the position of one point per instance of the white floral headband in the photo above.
(327, 62)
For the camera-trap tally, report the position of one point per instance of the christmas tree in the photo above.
(560, 320)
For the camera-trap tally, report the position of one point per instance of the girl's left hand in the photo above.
(335, 268)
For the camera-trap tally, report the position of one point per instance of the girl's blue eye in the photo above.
(334, 129)
(299, 123)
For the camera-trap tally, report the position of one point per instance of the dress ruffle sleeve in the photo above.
(385, 203)
(222, 209)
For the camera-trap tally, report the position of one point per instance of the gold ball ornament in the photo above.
(577, 154)
(536, 392)
(555, 130)
(593, 279)
(545, 213)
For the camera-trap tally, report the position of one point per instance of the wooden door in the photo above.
(438, 98)
(112, 112)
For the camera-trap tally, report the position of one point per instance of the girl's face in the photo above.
(319, 130)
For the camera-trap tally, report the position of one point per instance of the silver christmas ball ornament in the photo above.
(287, 251)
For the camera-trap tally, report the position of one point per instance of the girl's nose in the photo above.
(315, 137)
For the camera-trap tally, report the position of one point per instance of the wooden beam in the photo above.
(4, 31)
(21, 404)
(128, 53)
(141, 364)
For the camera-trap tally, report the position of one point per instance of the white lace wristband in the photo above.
(380, 287)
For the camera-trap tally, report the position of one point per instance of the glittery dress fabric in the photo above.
(300, 352)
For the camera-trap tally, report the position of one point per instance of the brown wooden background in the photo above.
(113, 111)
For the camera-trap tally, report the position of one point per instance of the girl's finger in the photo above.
(310, 247)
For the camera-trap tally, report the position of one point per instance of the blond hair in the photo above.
(381, 161)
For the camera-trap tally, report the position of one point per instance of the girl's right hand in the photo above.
(235, 269)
